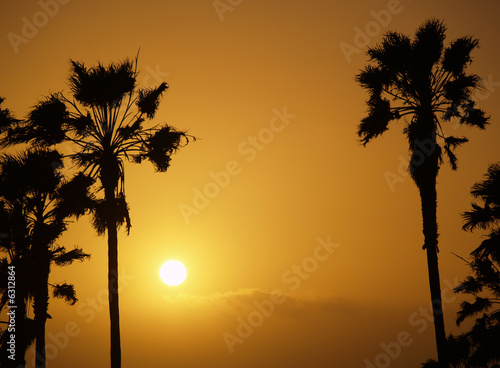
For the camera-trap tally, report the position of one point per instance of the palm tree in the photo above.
(478, 347)
(458, 350)
(37, 201)
(104, 122)
(13, 228)
(484, 283)
(421, 80)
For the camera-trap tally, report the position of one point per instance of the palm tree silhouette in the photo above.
(484, 283)
(459, 348)
(37, 200)
(478, 347)
(420, 79)
(104, 122)
(14, 231)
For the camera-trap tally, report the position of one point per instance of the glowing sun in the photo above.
(173, 273)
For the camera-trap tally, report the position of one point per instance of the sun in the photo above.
(173, 273)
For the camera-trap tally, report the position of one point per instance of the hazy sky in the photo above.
(300, 252)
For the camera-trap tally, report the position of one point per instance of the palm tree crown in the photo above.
(421, 79)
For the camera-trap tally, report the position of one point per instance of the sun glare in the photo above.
(173, 273)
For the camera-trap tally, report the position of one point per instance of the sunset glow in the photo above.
(271, 237)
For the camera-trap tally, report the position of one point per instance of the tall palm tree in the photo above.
(427, 84)
(104, 120)
(37, 201)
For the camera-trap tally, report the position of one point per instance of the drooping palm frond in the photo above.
(470, 286)
(122, 212)
(160, 145)
(479, 217)
(377, 121)
(488, 188)
(450, 143)
(65, 291)
(149, 99)
(116, 212)
(61, 257)
(470, 309)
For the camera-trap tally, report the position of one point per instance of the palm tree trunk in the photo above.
(114, 312)
(428, 196)
(40, 304)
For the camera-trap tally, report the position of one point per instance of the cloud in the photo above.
(245, 300)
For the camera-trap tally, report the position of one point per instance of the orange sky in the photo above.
(269, 91)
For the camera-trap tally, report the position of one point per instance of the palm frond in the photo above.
(102, 85)
(427, 46)
(457, 56)
(82, 125)
(113, 213)
(130, 131)
(65, 291)
(99, 217)
(474, 117)
(479, 217)
(458, 90)
(489, 246)
(149, 99)
(469, 286)
(470, 309)
(7, 119)
(450, 144)
(46, 122)
(379, 116)
(160, 145)
(393, 53)
(61, 257)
